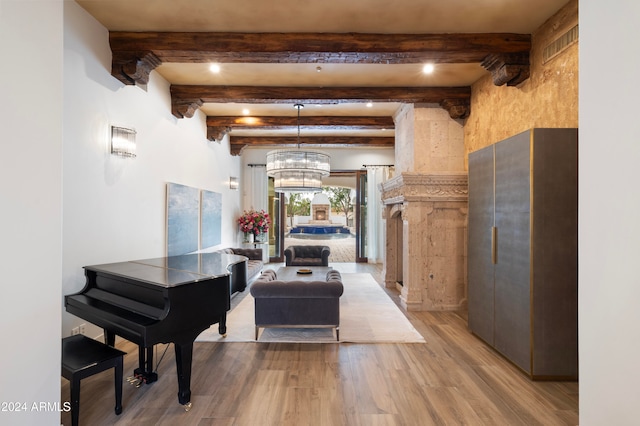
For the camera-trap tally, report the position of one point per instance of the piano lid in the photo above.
(173, 270)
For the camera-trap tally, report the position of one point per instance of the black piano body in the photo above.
(162, 300)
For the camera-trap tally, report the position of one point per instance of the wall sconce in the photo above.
(233, 183)
(123, 142)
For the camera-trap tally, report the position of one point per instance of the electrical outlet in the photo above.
(75, 330)
(82, 328)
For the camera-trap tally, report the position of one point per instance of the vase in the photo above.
(250, 237)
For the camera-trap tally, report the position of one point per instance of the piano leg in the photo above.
(184, 356)
(144, 372)
(222, 325)
(109, 337)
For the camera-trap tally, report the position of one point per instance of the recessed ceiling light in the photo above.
(318, 69)
(245, 111)
(214, 68)
(369, 104)
(428, 68)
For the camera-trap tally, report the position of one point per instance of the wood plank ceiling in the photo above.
(351, 72)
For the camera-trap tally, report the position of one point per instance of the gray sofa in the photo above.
(307, 256)
(297, 304)
(241, 276)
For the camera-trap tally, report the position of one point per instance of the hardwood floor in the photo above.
(452, 379)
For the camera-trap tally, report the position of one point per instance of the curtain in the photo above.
(256, 192)
(375, 225)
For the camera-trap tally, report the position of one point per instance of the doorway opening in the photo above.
(326, 218)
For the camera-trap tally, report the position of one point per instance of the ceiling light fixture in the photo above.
(214, 68)
(428, 68)
(297, 170)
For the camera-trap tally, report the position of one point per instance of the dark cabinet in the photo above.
(522, 250)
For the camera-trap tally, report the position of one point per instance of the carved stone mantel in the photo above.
(426, 217)
(412, 186)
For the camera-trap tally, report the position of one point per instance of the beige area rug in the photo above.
(367, 315)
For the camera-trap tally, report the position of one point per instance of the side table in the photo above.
(261, 245)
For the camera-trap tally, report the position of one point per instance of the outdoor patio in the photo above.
(342, 249)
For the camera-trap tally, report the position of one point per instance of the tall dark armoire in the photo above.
(523, 250)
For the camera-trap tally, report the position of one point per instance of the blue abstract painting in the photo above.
(183, 205)
(211, 219)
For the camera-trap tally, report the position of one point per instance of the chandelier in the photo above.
(297, 170)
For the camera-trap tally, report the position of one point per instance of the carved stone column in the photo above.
(394, 231)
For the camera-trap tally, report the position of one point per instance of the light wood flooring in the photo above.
(452, 379)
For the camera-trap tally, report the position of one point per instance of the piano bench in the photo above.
(83, 357)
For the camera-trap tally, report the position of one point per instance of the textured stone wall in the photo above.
(549, 98)
(428, 140)
(439, 141)
(403, 120)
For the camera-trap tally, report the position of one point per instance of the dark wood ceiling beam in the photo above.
(187, 47)
(306, 122)
(218, 126)
(185, 99)
(510, 69)
(216, 133)
(136, 54)
(237, 143)
(134, 68)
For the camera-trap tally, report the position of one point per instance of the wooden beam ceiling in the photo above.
(343, 48)
(306, 122)
(218, 126)
(136, 54)
(186, 99)
(238, 142)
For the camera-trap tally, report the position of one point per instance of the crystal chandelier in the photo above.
(297, 170)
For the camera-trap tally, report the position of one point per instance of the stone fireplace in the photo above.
(425, 211)
(426, 237)
(320, 212)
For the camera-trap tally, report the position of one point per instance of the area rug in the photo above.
(367, 315)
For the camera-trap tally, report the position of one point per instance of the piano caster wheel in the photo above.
(187, 406)
(224, 335)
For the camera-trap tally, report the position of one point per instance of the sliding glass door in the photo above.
(361, 215)
(277, 212)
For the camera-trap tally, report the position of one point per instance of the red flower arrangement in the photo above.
(254, 222)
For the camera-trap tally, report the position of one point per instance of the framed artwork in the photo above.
(183, 208)
(210, 219)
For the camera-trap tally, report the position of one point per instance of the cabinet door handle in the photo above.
(494, 245)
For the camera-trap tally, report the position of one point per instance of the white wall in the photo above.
(114, 208)
(609, 221)
(31, 208)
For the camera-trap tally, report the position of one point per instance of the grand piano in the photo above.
(162, 300)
